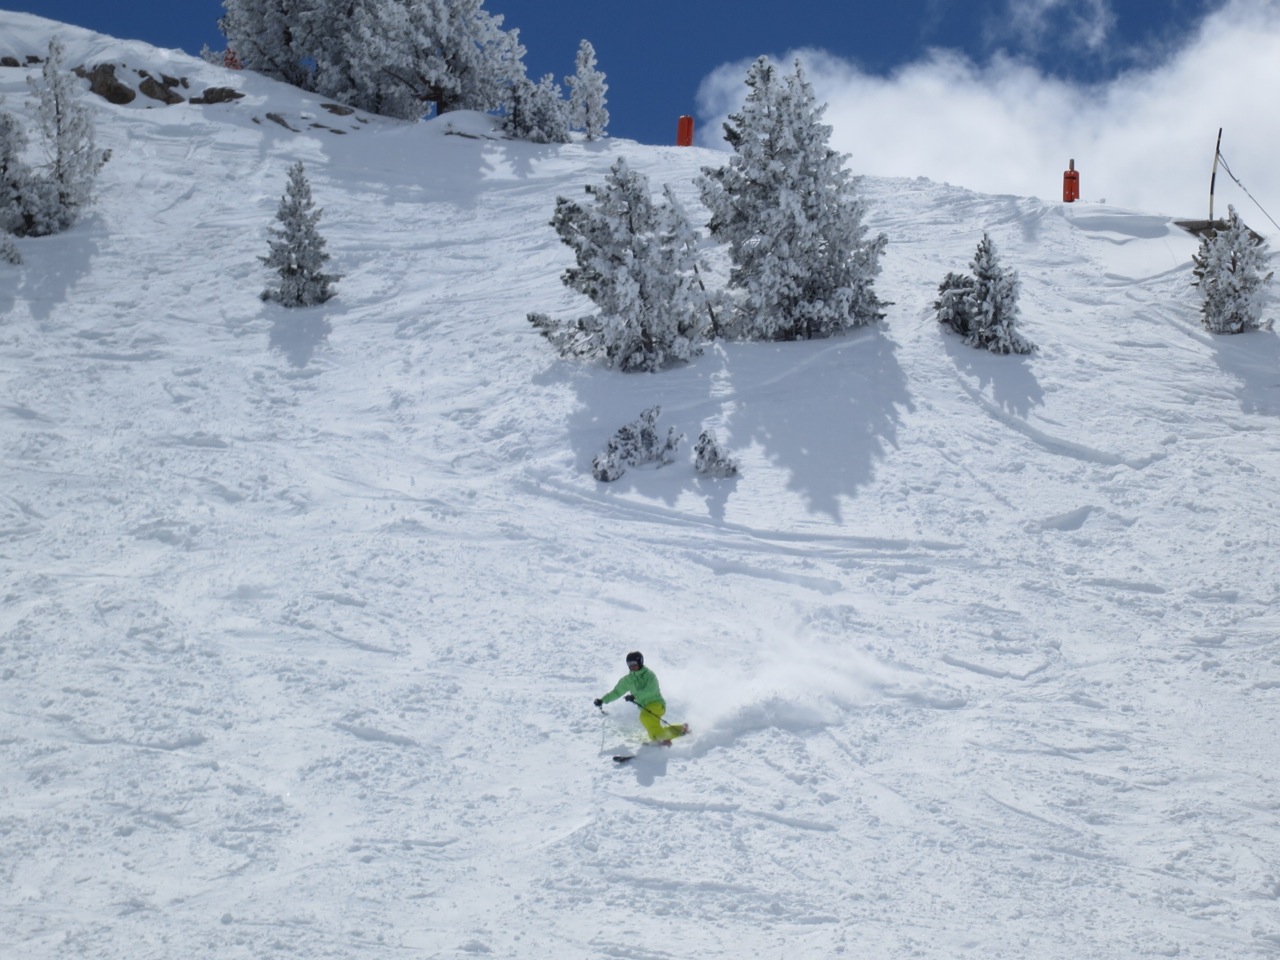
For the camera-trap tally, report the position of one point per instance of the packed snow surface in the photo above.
(299, 637)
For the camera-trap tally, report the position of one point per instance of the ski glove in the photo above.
(630, 698)
(598, 702)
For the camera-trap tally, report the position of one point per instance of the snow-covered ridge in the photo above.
(298, 646)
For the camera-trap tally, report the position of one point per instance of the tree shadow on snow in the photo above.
(1253, 361)
(298, 333)
(461, 167)
(823, 411)
(52, 266)
(609, 399)
(1014, 388)
(715, 493)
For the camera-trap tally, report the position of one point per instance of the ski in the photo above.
(682, 731)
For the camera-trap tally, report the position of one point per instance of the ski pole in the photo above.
(645, 709)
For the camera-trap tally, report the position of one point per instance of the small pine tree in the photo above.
(788, 208)
(710, 460)
(587, 95)
(638, 263)
(50, 199)
(536, 112)
(955, 302)
(995, 303)
(636, 443)
(16, 178)
(1229, 270)
(297, 251)
(984, 307)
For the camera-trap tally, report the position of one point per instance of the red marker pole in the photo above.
(684, 132)
(1071, 184)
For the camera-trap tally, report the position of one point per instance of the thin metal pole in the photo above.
(1217, 151)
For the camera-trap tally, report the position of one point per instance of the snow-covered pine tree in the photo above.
(637, 261)
(481, 60)
(992, 304)
(1231, 271)
(64, 186)
(789, 210)
(398, 58)
(357, 47)
(710, 460)
(16, 177)
(695, 308)
(587, 95)
(272, 37)
(536, 112)
(955, 302)
(634, 444)
(297, 251)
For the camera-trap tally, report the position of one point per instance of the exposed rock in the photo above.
(158, 91)
(102, 81)
(338, 109)
(282, 121)
(218, 95)
(167, 80)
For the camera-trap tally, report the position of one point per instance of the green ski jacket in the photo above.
(642, 684)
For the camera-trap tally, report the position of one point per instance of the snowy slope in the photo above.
(298, 644)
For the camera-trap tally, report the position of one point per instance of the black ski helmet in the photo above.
(636, 657)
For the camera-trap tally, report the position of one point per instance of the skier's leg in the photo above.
(651, 718)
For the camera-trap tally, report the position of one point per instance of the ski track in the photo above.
(297, 658)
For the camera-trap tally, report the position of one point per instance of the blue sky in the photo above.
(656, 54)
(996, 95)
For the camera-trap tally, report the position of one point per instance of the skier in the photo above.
(641, 688)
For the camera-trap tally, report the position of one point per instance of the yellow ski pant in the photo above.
(651, 718)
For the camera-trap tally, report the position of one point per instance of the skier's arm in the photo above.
(623, 686)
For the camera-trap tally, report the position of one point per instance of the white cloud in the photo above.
(1144, 140)
(1033, 24)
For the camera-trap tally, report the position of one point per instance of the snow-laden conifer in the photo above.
(637, 261)
(983, 307)
(955, 302)
(536, 112)
(1231, 271)
(788, 209)
(16, 176)
(272, 37)
(49, 198)
(636, 443)
(358, 49)
(587, 90)
(710, 459)
(399, 58)
(994, 303)
(480, 60)
(297, 251)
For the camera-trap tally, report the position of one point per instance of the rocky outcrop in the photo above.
(163, 90)
(218, 95)
(103, 81)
